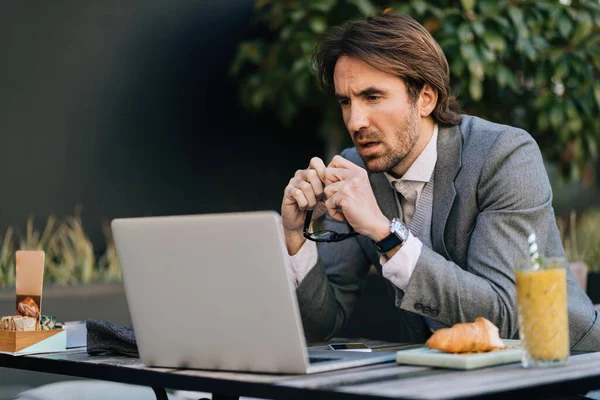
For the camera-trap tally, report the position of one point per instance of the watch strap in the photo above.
(388, 243)
(399, 234)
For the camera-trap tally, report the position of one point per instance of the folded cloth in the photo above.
(102, 336)
(47, 322)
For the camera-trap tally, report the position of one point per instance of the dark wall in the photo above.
(127, 108)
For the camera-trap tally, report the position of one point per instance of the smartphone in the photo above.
(349, 347)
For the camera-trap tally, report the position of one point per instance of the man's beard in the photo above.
(406, 137)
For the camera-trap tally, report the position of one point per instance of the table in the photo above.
(382, 381)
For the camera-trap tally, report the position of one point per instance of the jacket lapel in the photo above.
(449, 149)
(384, 194)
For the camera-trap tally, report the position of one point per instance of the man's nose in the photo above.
(358, 119)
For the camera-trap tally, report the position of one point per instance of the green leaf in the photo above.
(561, 71)
(251, 50)
(464, 33)
(503, 75)
(556, 117)
(439, 13)
(595, 60)
(542, 101)
(478, 27)
(468, 51)
(420, 6)
(582, 31)
(262, 3)
(565, 26)
(487, 55)
(542, 122)
(301, 85)
(258, 99)
(457, 66)
(530, 51)
(554, 54)
(503, 22)
(597, 93)
(364, 6)
(571, 109)
(592, 146)
(575, 125)
(322, 5)
(297, 15)
(475, 88)
(586, 107)
(287, 110)
(574, 172)
(307, 44)
(494, 41)
(516, 15)
(286, 32)
(573, 13)
(488, 7)
(318, 24)
(562, 134)
(447, 43)
(539, 43)
(468, 5)
(579, 151)
(248, 52)
(474, 64)
(299, 65)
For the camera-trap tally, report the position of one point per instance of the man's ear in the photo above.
(427, 100)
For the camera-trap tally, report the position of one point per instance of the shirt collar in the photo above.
(422, 168)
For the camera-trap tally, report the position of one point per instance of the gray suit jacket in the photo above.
(490, 190)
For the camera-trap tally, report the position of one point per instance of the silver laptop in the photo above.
(212, 292)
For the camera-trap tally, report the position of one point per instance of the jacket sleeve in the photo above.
(513, 197)
(328, 293)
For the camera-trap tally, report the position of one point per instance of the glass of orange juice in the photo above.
(543, 317)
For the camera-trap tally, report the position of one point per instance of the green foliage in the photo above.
(533, 64)
(69, 253)
(581, 238)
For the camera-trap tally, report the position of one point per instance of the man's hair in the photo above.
(396, 44)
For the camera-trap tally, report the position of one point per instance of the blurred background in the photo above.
(122, 108)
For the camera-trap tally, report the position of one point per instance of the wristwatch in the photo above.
(398, 235)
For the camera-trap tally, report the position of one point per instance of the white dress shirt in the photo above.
(400, 267)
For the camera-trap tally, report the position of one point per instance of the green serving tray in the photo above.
(436, 358)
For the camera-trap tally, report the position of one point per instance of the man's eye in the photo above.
(344, 102)
(373, 98)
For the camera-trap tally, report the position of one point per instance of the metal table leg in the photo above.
(161, 393)
(224, 397)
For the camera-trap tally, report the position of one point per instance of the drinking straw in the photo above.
(533, 251)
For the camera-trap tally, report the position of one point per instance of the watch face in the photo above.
(399, 229)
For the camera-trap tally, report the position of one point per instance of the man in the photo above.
(443, 202)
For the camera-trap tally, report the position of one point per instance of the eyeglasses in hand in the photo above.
(326, 236)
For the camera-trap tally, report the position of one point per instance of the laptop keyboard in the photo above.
(315, 360)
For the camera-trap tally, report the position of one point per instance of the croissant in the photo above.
(478, 336)
(28, 308)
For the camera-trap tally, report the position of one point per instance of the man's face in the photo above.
(382, 121)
